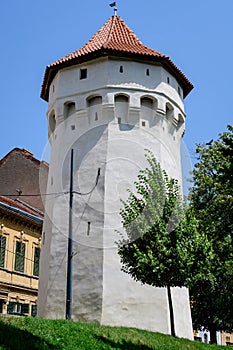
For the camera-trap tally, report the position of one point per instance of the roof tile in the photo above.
(22, 206)
(115, 37)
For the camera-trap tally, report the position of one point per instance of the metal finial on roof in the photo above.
(114, 4)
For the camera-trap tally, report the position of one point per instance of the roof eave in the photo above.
(21, 213)
(51, 70)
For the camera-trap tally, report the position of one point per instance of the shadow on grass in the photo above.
(12, 338)
(123, 345)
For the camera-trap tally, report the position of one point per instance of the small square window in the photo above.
(143, 123)
(83, 73)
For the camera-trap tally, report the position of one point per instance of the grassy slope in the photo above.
(33, 333)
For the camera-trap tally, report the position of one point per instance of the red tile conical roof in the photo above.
(117, 39)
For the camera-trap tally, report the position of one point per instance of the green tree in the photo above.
(162, 246)
(212, 201)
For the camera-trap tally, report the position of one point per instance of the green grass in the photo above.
(28, 333)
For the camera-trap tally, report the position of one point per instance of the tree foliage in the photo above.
(212, 201)
(162, 246)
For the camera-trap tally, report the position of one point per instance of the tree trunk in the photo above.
(171, 312)
(213, 335)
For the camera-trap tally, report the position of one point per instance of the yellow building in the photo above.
(227, 338)
(20, 239)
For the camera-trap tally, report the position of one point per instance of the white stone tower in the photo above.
(108, 101)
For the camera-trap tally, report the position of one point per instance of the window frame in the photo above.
(83, 73)
(2, 251)
(19, 264)
(16, 308)
(36, 262)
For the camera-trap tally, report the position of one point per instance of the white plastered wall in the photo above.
(101, 292)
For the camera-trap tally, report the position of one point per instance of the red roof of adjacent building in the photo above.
(15, 203)
(115, 38)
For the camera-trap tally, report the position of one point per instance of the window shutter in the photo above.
(34, 310)
(2, 250)
(36, 261)
(19, 256)
(10, 307)
(24, 308)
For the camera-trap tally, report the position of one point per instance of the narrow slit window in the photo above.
(168, 80)
(179, 92)
(143, 123)
(83, 73)
(43, 238)
(34, 310)
(119, 120)
(88, 228)
(121, 69)
(96, 116)
(147, 72)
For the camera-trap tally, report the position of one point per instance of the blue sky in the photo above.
(197, 35)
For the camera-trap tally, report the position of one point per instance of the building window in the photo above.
(168, 80)
(36, 261)
(16, 308)
(179, 92)
(143, 123)
(34, 310)
(24, 309)
(96, 116)
(43, 238)
(88, 228)
(2, 250)
(19, 256)
(228, 339)
(83, 73)
(147, 72)
(121, 69)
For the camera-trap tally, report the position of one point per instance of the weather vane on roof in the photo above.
(114, 4)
